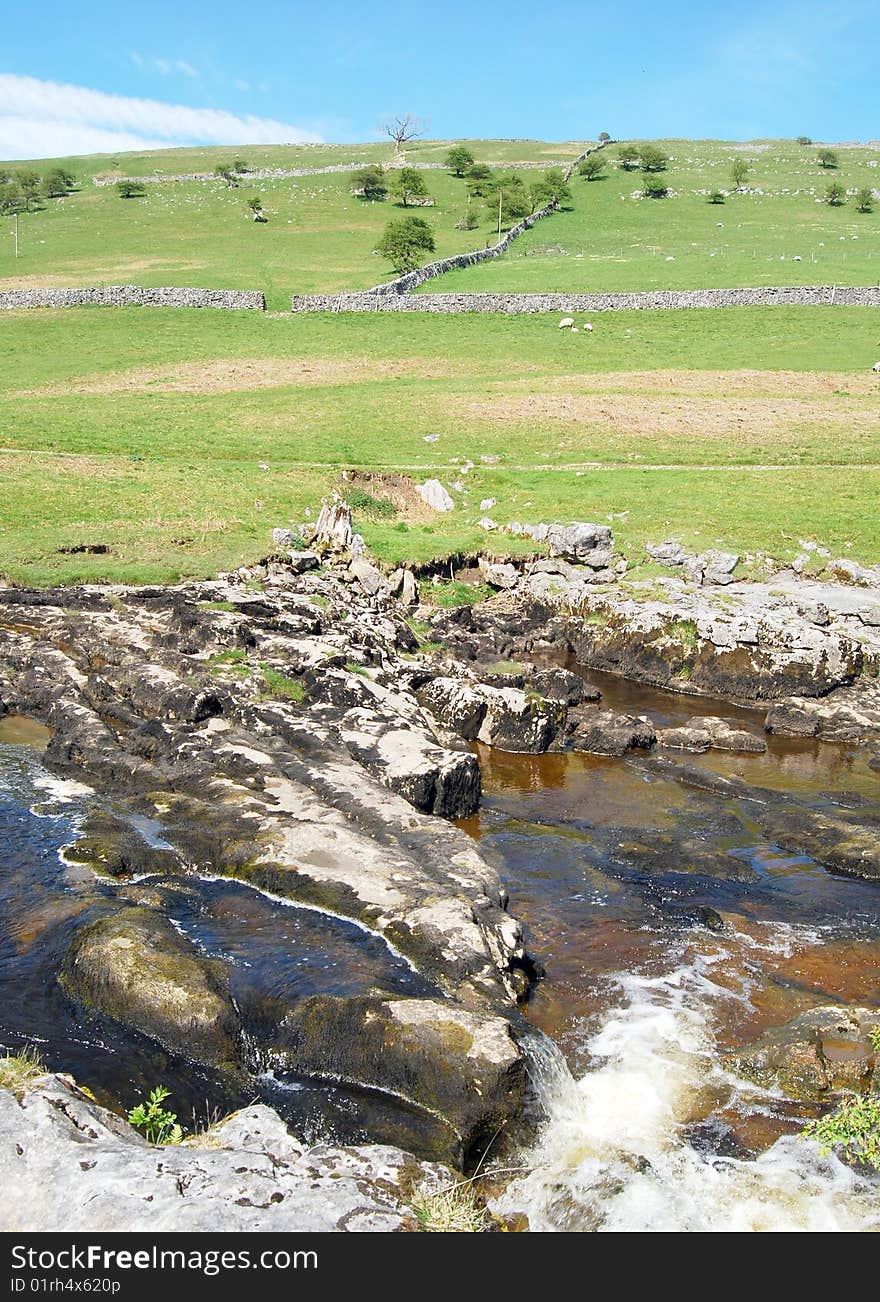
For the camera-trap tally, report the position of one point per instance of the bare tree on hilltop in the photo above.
(402, 128)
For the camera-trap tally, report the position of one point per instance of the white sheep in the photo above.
(566, 323)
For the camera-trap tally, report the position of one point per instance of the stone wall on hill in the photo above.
(135, 296)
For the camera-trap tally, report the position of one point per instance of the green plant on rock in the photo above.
(17, 1069)
(852, 1130)
(455, 1209)
(155, 1122)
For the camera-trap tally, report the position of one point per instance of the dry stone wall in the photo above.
(518, 304)
(134, 296)
(411, 279)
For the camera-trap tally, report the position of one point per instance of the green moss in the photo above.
(219, 605)
(683, 631)
(451, 594)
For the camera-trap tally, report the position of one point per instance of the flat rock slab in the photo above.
(67, 1164)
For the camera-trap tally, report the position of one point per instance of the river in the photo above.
(672, 933)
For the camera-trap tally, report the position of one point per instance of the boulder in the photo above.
(499, 575)
(455, 703)
(135, 968)
(461, 1067)
(607, 732)
(589, 544)
(562, 686)
(114, 848)
(367, 576)
(710, 733)
(816, 1054)
(667, 553)
(519, 721)
(433, 494)
(333, 527)
(718, 566)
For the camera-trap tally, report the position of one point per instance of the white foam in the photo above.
(611, 1155)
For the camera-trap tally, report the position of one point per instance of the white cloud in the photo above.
(45, 119)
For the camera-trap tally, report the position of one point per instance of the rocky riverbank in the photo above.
(305, 727)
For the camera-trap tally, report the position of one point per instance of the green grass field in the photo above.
(178, 439)
(780, 233)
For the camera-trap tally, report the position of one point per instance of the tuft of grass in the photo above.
(355, 667)
(375, 508)
(507, 667)
(228, 606)
(280, 687)
(683, 631)
(18, 1069)
(454, 593)
(234, 656)
(452, 1210)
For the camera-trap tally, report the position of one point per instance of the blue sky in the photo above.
(87, 78)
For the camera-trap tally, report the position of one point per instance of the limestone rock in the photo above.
(68, 1165)
(517, 721)
(710, 733)
(135, 968)
(590, 544)
(499, 575)
(369, 578)
(461, 1066)
(817, 1053)
(433, 494)
(608, 732)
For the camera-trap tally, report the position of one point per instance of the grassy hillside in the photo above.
(779, 232)
(319, 237)
(176, 440)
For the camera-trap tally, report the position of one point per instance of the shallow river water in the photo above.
(643, 1125)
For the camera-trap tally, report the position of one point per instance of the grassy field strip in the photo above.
(172, 484)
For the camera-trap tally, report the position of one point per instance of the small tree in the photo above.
(552, 185)
(130, 189)
(827, 158)
(408, 184)
(628, 157)
(654, 188)
(506, 194)
(28, 182)
(469, 222)
(739, 173)
(835, 194)
(225, 173)
(255, 204)
(241, 165)
(804, 140)
(57, 183)
(405, 242)
(591, 167)
(370, 180)
(717, 196)
(402, 128)
(480, 180)
(459, 159)
(11, 198)
(604, 137)
(865, 199)
(652, 159)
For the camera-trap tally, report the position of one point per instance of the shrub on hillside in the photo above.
(130, 189)
(405, 242)
(865, 199)
(370, 181)
(717, 196)
(591, 168)
(739, 173)
(479, 180)
(552, 185)
(655, 188)
(827, 158)
(628, 157)
(804, 140)
(652, 159)
(835, 194)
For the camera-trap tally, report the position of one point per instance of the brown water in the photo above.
(646, 1127)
